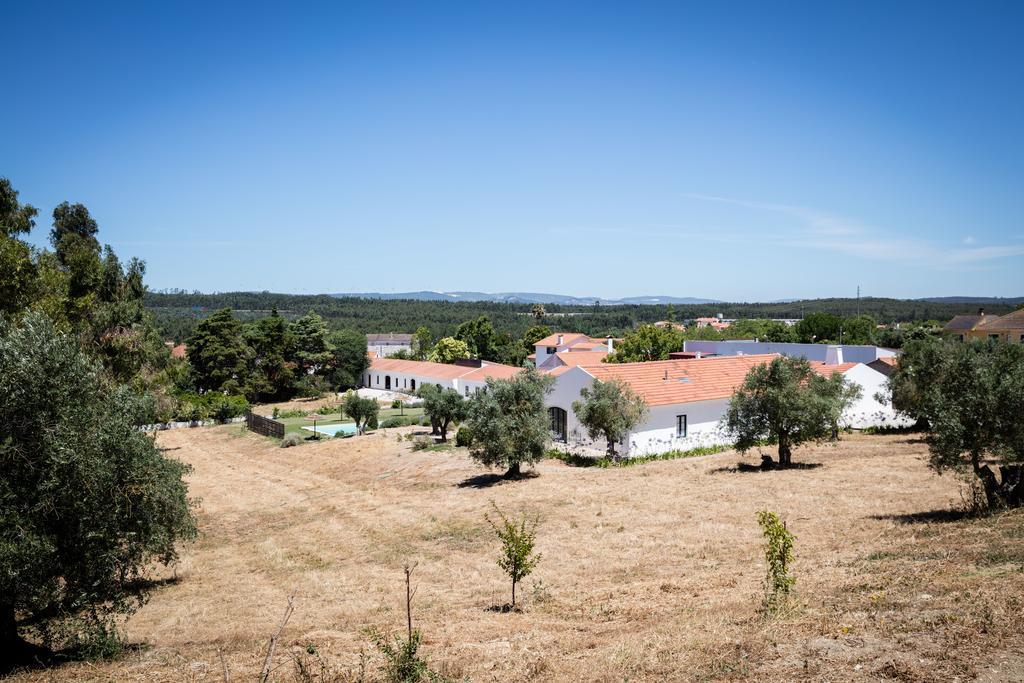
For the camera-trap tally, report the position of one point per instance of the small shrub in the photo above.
(778, 555)
(328, 409)
(226, 408)
(399, 421)
(396, 404)
(284, 414)
(290, 440)
(517, 558)
(420, 443)
(463, 437)
(277, 411)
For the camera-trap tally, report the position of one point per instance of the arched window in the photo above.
(412, 384)
(558, 422)
(387, 381)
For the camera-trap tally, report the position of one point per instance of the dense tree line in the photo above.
(178, 313)
(271, 358)
(88, 503)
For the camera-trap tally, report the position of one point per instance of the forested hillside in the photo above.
(177, 313)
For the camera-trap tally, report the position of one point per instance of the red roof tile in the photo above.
(681, 381)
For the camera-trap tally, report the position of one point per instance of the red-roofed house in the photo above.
(688, 397)
(394, 374)
(550, 346)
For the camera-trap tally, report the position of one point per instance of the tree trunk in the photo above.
(611, 448)
(513, 470)
(444, 432)
(435, 429)
(785, 454)
(13, 650)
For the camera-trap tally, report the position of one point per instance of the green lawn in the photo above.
(296, 424)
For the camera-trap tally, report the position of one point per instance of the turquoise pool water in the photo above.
(333, 430)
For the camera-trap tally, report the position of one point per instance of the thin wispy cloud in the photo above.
(816, 229)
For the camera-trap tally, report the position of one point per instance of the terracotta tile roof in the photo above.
(829, 370)
(567, 338)
(419, 367)
(667, 382)
(443, 370)
(179, 351)
(573, 357)
(961, 323)
(1002, 323)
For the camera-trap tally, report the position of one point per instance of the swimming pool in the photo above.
(333, 430)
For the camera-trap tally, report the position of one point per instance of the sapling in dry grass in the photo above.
(778, 555)
(517, 557)
(402, 662)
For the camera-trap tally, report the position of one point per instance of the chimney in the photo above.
(698, 355)
(666, 374)
(559, 342)
(610, 344)
(834, 355)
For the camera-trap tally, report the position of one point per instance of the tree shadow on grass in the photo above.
(503, 609)
(489, 479)
(33, 657)
(747, 468)
(931, 516)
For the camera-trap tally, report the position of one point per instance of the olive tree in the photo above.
(785, 402)
(363, 411)
(609, 410)
(88, 503)
(443, 406)
(509, 422)
(973, 403)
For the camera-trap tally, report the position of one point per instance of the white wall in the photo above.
(658, 433)
(400, 381)
(386, 350)
(867, 411)
(851, 353)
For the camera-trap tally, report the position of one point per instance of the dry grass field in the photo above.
(648, 573)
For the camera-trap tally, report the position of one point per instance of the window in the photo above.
(467, 391)
(1022, 339)
(558, 423)
(412, 384)
(552, 349)
(994, 337)
(681, 426)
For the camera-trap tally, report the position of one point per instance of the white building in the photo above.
(812, 352)
(688, 398)
(384, 345)
(394, 374)
(550, 352)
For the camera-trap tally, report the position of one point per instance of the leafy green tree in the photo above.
(861, 329)
(348, 358)
(509, 350)
(88, 503)
(363, 411)
(218, 354)
(448, 350)
(647, 343)
(480, 338)
(609, 410)
(787, 403)
(534, 335)
(78, 251)
(538, 312)
(517, 558)
(422, 342)
(15, 217)
(973, 402)
(919, 367)
(509, 421)
(443, 407)
(818, 327)
(311, 348)
(20, 277)
(270, 374)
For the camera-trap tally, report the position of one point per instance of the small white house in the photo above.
(395, 374)
(547, 350)
(867, 411)
(856, 353)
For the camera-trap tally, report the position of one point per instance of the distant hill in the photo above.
(525, 298)
(977, 300)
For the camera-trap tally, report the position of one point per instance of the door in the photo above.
(387, 381)
(558, 424)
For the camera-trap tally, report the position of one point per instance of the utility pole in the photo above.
(858, 299)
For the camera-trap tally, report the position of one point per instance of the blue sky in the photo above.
(741, 151)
